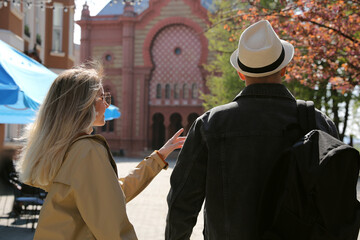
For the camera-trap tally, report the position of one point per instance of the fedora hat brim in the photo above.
(289, 53)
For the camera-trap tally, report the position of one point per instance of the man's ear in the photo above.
(242, 77)
(283, 71)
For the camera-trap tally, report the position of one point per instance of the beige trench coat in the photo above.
(86, 199)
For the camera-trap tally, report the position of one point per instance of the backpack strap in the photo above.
(306, 115)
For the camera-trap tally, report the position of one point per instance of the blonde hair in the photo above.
(67, 111)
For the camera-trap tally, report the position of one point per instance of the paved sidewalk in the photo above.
(147, 212)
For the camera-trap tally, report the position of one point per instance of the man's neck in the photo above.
(262, 80)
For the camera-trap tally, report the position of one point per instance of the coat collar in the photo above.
(265, 90)
(102, 141)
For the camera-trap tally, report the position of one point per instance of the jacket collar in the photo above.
(102, 141)
(265, 90)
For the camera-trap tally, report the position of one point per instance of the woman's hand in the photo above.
(174, 142)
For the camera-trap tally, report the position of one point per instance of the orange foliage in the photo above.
(325, 34)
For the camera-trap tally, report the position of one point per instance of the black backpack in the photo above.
(311, 191)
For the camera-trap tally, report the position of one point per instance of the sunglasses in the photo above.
(106, 97)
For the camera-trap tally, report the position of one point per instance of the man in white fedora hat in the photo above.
(230, 148)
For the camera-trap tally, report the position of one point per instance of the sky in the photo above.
(94, 7)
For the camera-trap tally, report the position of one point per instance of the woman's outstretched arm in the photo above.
(140, 177)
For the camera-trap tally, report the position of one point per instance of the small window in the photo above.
(177, 51)
(194, 91)
(185, 91)
(167, 91)
(176, 91)
(27, 24)
(57, 27)
(108, 57)
(71, 29)
(158, 91)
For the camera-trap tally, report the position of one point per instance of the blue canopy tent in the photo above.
(24, 84)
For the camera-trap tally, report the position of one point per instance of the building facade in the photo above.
(43, 30)
(153, 56)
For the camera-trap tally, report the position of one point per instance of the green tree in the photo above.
(223, 81)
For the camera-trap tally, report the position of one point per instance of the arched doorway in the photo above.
(175, 123)
(158, 131)
(191, 119)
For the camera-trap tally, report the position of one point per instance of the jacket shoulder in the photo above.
(213, 113)
(86, 144)
(82, 151)
(325, 124)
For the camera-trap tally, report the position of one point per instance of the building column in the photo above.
(141, 110)
(128, 98)
(145, 115)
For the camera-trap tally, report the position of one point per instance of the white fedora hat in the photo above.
(261, 52)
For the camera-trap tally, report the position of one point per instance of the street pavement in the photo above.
(147, 212)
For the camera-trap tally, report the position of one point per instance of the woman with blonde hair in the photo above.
(86, 199)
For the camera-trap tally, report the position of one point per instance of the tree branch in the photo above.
(328, 27)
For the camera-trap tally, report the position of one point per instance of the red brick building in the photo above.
(153, 56)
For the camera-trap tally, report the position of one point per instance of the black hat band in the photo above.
(265, 69)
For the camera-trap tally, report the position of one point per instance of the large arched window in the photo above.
(194, 91)
(185, 91)
(158, 91)
(167, 91)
